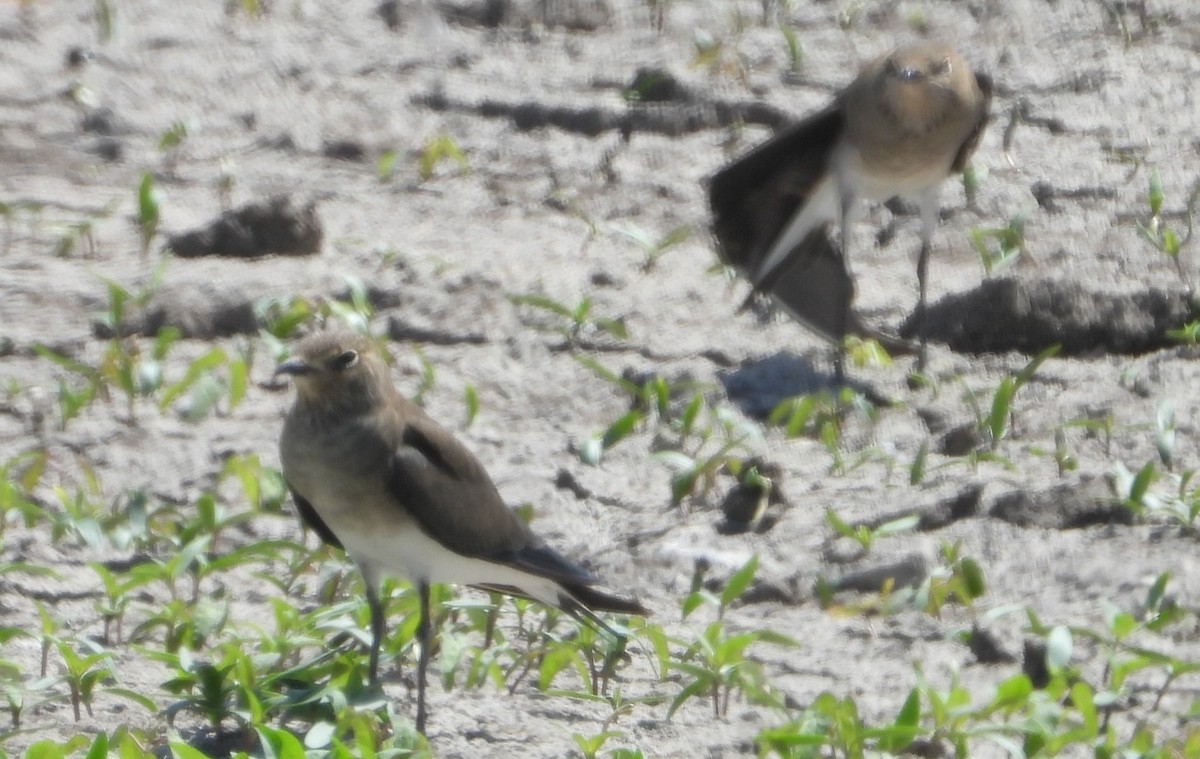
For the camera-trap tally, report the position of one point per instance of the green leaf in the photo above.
(1141, 483)
(99, 749)
(897, 526)
(211, 359)
(916, 472)
(1001, 406)
(739, 581)
(1082, 700)
(694, 688)
(972, 576)
(471, 398)
(542, 302)
(1154, 193)
(181, 750)
(238, 380)
(620, 429)
(279, 744)
(386, 165)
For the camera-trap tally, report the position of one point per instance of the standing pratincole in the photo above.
(371, 473)
(905, 124)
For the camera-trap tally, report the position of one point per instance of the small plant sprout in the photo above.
(580, 323)
(1159, 234)
(385, 167)
(655, 248)
(716, 664)
(973, 177)
(171, 143)
(996, 424)
(226, 181)
(866, 352)
(795, 50)
(471, 401)
(148, 211)
(437, 150)
(999, 247)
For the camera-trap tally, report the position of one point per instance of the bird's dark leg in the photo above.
(425, 637)
(378, 628)
(930, 200)
(843, 319)
(922, 311)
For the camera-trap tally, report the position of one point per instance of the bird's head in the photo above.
(336, 370)
(921, 83)
(926, 65)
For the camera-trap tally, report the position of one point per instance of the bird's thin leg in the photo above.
(424, 636)
(843, 318)
(930, 200)
(378, 628)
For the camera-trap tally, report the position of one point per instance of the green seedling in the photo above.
(1134, 489)
(715, 665)
(821, 415)
(106, 21)
(916, 470)
(721, 57)
(280, 318)
(580, 324)
(207, 688)
(115, 602)
(831, 726)
(263, 487)
(226, 181)
(592, 450)
(1062, 453)
(76, 235)
(385, 167)
(437, 150)
(795, 50)
(170, 143)
(973, 177)
(959, 579)
(1160, 235)
(18, 477)
(866, 352)
(471, 402)
(692, 475)
(999, 247)
(83, 673)
(995, 425)
(1188, 334)
(654, 248)
(148, 204)
(865, 535)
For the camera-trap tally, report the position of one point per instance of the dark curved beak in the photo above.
(297, 367)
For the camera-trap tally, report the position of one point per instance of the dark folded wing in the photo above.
(754, 197)
(313, 520)
(445, 488)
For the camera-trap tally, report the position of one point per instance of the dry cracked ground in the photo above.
(318, 126)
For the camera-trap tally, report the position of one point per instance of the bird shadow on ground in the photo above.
(759, 385)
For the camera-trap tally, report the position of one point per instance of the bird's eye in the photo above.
(346, 359)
